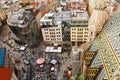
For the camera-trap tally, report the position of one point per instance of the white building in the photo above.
(79, 28)
(52, 34)
(47, 20)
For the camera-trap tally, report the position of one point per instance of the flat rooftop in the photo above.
(63, 14)
(47, 17)
(80, 16)
(53, 49)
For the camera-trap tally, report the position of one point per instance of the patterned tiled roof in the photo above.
(108, 45)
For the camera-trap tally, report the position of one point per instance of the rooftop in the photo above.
(47, 17)
(80, 16)
(63, 16)
(19, 18)
(53, 49)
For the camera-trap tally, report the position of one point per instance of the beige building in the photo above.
(97, 20)
(2, 14)
(52, 34)
(79, 27)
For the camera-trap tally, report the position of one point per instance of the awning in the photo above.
(2, 56)
(53, 61)
(5, 74)
(40, 61)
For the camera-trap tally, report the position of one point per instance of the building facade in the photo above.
(55, 27)
(79, 28)
(23, 25)
(63, 19)
(52, 34)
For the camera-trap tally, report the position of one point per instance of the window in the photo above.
(46, 35)
(74, 22)
(80, 32)
(47, 38)
(58, 38)
(46, 32)
(85, 38)
(73, 35)
(51, 30)
(85, 32)
(45, 29)
(91, 33)
(85, 35)
(58, 32)
(79, 36)
(79, 39)
(86, 29)
(73, 38)
(58, 35)
(57, 29)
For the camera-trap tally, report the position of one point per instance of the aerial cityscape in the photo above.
(59, 39)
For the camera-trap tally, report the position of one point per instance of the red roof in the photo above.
(77, 6)
(5, 73)
(115, 8)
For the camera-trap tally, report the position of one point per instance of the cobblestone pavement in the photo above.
(32, 54)
(72, 60)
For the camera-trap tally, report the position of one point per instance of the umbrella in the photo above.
(53, 61)
(40, 60)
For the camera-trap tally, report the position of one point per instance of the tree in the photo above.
(79, 77)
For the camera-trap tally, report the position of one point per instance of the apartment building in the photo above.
(63, 19)
(51, 33)
(79, 28)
